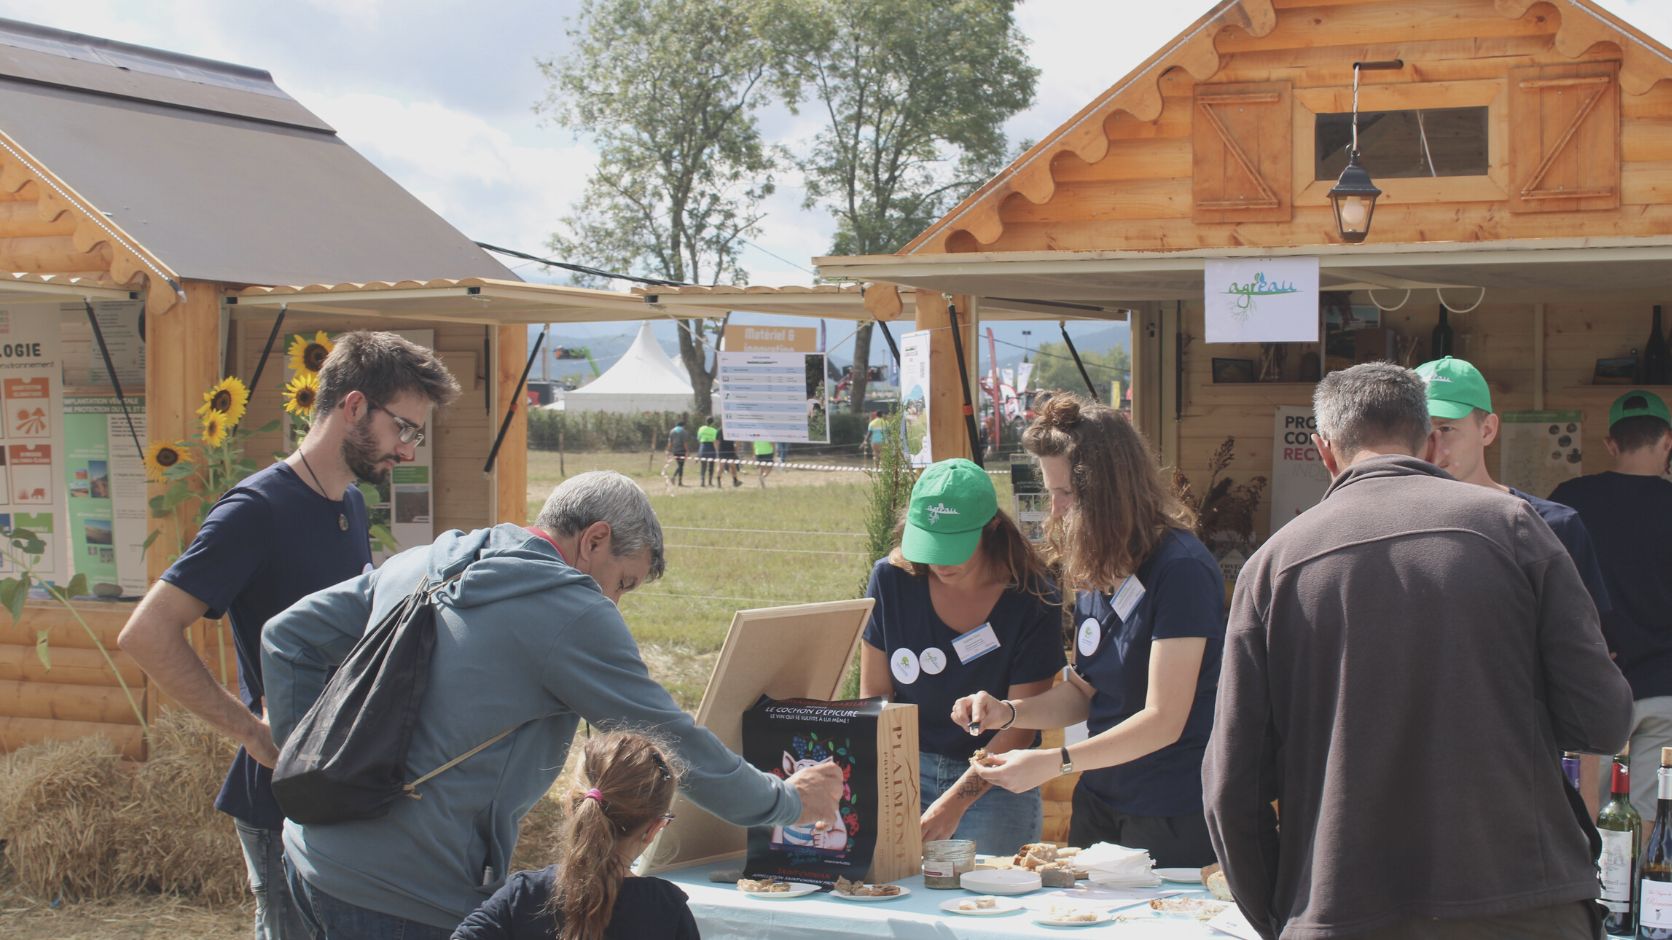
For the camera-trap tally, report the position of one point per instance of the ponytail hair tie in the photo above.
(594, 794)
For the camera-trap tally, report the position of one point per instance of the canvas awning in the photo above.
(847, 302)
(1539, 269)
(468, 300)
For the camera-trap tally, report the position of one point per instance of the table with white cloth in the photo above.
(723, 912)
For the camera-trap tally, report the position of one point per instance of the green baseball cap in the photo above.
(1637, 403)
(1455, 388)
(950, 504)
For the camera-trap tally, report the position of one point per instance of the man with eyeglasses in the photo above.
(281, 534)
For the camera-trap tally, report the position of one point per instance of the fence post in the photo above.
(562, 474)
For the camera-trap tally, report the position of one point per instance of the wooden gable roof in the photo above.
(1118, 174)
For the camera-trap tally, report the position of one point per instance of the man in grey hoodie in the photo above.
(529, 637)
(1402, 664)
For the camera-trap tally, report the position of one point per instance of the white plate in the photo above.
(1102, 918)
(1000, 906)
(1002, 881)
(1181, 876)
(871, 897)
(797, 890)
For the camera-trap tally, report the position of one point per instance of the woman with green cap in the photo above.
(1149, 616)
(964, 604)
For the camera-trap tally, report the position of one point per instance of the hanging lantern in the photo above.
(1354, 195)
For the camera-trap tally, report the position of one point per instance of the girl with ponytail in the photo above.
(1149, 621)
(626, 782)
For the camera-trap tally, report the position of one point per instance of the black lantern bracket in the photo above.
(1354, 195)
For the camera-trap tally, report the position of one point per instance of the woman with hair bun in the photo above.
(626, 784)
(1149, 623)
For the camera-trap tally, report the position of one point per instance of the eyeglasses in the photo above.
(667, 817)
(409, 433)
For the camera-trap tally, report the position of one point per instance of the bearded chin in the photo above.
(360, 454)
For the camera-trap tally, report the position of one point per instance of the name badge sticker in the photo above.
(1127, 597)
(904, 665)
(932, 661)
(1091, 634)
(976, 644)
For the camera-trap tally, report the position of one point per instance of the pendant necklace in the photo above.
(342, 518)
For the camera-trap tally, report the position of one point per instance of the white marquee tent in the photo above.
(643, 379)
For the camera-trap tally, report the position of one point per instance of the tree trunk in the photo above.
(861, 366)
(693, 356)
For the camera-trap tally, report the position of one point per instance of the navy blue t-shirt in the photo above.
(268, 543)
(645, 909)
(925, 662)
(1628, 516)
(1183, 596)
(1570, 529)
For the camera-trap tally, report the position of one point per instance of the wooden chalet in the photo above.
(1524, 151)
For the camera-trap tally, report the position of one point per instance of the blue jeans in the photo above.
(330, 919)
(1000, 822)
(276, 916)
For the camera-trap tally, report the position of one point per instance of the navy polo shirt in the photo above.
(268, 543)
(925, 663)
(1183, 596)
(1570, 529)
(1627, 516)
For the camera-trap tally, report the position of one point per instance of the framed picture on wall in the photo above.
(1618, 370)
(1232, 371)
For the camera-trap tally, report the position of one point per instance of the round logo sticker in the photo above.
(932, 660)
(1091, 634)
(904, 666)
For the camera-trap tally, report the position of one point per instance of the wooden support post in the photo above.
(1538, 357)
(948, 432)
(510, 472)
(1147, 367)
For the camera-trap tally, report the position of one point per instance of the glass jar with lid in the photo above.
(946, 860)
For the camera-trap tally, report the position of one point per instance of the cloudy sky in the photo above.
(440, 94)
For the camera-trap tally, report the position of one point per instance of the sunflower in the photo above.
(160, 456)
(308, 355)
(300, 393)
(227, 398)
(214, 429)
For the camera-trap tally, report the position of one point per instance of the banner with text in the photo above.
(1298, 477)
(914, 396)
(1261, 300)
(782, 397)
(32, 432)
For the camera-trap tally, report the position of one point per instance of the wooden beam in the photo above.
(510, 474)
(948, 432)
(50, 254)
(17, 732)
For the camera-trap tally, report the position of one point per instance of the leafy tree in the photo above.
(914, 95)
(1053, 368)
(668, 91)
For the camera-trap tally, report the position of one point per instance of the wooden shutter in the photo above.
(1243, 153)
(1564, 143)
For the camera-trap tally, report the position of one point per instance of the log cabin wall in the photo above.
(1162, 181)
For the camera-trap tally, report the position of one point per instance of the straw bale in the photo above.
(172, 839)
(61, 808)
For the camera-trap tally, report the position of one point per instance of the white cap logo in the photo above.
(938, 510)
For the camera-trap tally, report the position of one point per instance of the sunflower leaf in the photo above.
(43, 652)
(149, 539)
(77, 586)
(267, 428)
(11, 597)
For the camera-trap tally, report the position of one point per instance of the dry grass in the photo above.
(173, 841)
(62, 816)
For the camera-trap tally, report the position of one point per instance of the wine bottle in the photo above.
(1440, 341)
(1621, 830)
(1657, 358)
(1570, 768)
(1654, 870)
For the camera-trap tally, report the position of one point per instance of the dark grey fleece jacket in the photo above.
(1402, 664)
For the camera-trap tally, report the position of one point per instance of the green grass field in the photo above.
(800, 538)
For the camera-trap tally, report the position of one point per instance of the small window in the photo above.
(1405, 144)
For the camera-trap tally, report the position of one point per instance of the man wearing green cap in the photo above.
(1628, 511)
(1460, 406)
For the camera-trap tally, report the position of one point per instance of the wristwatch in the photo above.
(1067, 764)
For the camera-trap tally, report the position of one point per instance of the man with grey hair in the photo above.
(1402, 663)
(528, 640)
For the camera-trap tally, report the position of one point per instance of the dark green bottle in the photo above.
(1622, 831)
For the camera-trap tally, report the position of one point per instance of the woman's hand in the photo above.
(1021, 770)
(942, 817)
(981, 710)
